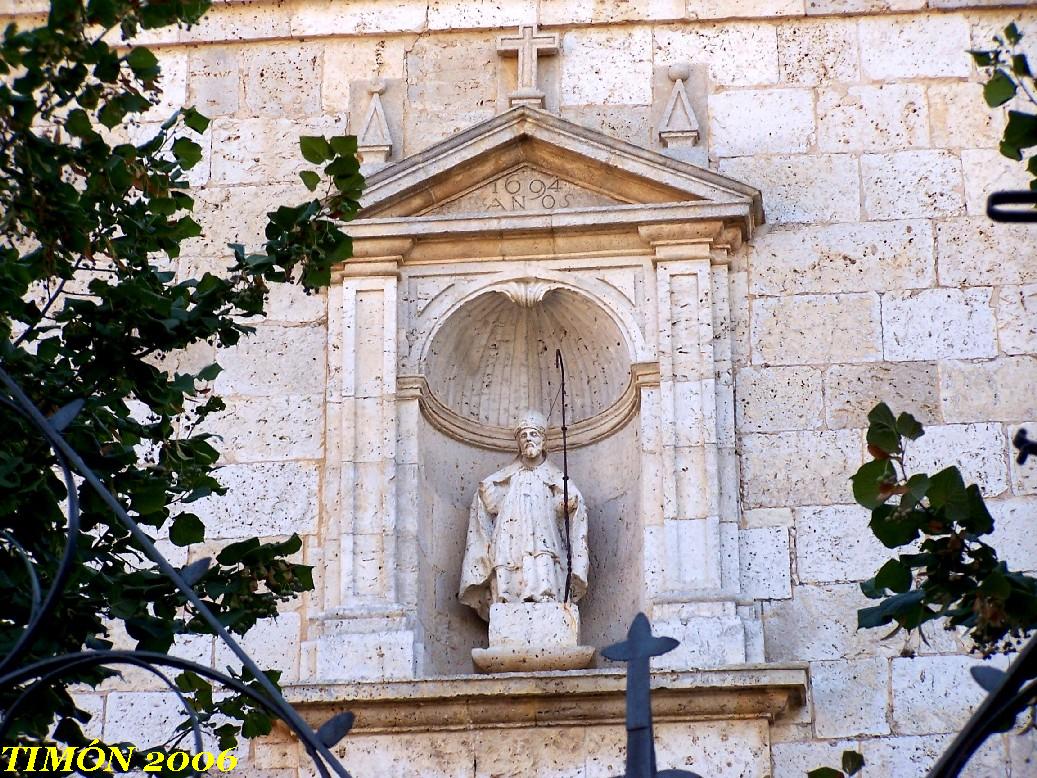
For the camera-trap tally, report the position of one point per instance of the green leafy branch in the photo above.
(1009, 77)
(948, 572)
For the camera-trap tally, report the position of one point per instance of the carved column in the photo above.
(686, 558)
(363, 629)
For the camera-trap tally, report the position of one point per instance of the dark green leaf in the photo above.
(825, 772)
(872, 482)
(982, 58)
(999, 89)
(1012, 34)
(893, 529)
(894, 576)
(909, 427)
(186, 529)
(899, 605)
(310, 178)
(194, 120)
(1020, 65)
(344, 145)
(852, 762)
(187, 153)
(1021, 130)
(315, 149)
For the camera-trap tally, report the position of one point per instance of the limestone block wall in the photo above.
(877, 276)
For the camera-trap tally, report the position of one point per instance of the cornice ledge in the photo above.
(581, 698)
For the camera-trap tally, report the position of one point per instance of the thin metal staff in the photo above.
(560, 364)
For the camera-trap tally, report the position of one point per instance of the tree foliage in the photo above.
(1009, 78)
(947, 571)
(91, 224)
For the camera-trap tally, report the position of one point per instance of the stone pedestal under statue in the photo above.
(529, 636)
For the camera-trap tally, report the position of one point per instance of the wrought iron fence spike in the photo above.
(335, 728)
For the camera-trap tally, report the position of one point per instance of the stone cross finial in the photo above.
(527, 46)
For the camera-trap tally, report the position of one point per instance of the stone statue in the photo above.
(515, 552)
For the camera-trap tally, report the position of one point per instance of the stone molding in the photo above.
(548, 699)
(497, 438)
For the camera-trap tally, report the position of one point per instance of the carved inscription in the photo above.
(526, 189)
(516, 193)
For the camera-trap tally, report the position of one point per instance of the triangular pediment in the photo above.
(527, 161)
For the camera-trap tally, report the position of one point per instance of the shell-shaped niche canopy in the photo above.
(494, 358)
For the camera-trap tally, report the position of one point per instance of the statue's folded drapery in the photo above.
(515, 550)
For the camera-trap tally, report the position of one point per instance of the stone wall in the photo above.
(877, 276)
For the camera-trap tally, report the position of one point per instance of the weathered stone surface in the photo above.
(237, 23)
(767, 517)
(977, 252)
(938, 324)
(439, 753)
(816, 329)
(851, 391)
(270, 429)
(1013, 534)
(214, 80)
(778, 398)
(569, 12)
(359, 16)
(825, 7)
(911, 756)
(802, 188)
(834, 543)
(604, 67)
(279, 81)
(273, 644)
(987, 171)
(348, 60)
(979, 451)
(820, 622)
(262, 500)
(719, 9)
(738, 54)
(144, 718)
(912, 184)
(979, 391)
(1023, 477)
(799, 468)
(875, 256)
(942, 38)
(763, 554)
(1017, 319)
(811, 53)
(451, 85)
(935, 693)
(958, 117)
(872, 118)
(264, 151)
(796, 759)
(450, 15)
(850, 697)
(750, 121)
(275, 360)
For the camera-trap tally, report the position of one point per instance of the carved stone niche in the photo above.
(474, 261)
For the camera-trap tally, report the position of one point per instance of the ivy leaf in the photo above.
(999, 89)
(908, 426)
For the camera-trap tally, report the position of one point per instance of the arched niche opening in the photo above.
(489, 361)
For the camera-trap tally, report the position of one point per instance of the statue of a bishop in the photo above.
(515, 550)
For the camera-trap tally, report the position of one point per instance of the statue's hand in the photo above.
(574, 503)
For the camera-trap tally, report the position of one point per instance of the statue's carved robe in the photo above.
(515, 550)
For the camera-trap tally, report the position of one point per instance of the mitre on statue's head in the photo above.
(532, 420)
